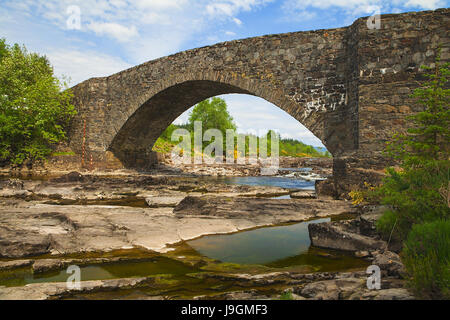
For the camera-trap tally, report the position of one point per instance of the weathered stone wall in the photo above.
(389, 63)
(349, 86)
(303, 73)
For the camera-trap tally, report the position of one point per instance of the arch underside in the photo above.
(134, 141)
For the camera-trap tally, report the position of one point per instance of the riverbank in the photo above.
(100, 220)
(78, 212)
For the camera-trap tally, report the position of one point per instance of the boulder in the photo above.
(362, 254)
(332, 289)
(322, 290)
(335, 235)
(368, 219)
(384, 294)
(55, 290)
(390, 264)
(325, 189)
(44, 265)
(260, 208)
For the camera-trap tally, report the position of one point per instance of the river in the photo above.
(282, 247)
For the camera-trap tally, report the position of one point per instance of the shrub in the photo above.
(34, 107)
(364, 195)
(286, 296)
(415, 197)
(426, 255)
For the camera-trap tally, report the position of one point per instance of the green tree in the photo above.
(418, 192)
(428, 139)
(34, 109)
(213, 114)
(3, 48)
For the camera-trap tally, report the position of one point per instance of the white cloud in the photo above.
(426, 4)
(228, 9)
(138, 30)
(119, 32)
(160, 4)
(357, 7)
(237, 21)
(82, 65)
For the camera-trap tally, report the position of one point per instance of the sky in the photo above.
(95, 38)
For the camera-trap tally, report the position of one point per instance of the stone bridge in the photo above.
(349, 86)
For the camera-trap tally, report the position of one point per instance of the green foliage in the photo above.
(416, 196)
(213, 114)
(426, 256)
(428, 140)
(167, 134)
(286, 296)
(418, 192)
(63, 153)
(295, 148)
(3, 49)
(163, 146)
(33, 108)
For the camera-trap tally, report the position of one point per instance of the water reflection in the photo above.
(259, 246)
(276, 247)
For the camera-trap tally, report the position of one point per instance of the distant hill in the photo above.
(321, 149)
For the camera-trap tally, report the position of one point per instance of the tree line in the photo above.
(213, 114)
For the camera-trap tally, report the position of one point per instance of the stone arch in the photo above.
(133, 141)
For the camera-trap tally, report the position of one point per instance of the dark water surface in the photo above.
(126, 269)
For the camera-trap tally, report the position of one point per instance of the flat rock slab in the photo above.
(32, 229)
(42, 291)
(257, 208)
(14, 264)
(158, 202)
(304, 194)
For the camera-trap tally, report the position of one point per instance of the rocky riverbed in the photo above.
(108, 221)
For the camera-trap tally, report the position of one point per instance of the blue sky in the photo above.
(117, 34)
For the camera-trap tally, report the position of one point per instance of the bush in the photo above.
(415, 197)
(386, 223)
(426, 255)
(286, 296)
(34, 107)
